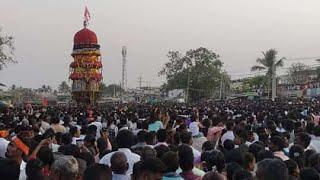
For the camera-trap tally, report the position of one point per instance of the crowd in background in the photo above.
(223, 140)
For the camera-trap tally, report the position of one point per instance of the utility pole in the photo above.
(274, 82)
(140, 81)
(221, 81)
(188, 85)
(124, 68)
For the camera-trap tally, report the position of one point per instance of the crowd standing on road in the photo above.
(223, 140)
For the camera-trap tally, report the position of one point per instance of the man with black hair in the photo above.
(215, 159)
(97, 172)
(186, 138)
(161, 137)
(309, 174)
(15, 151)
(171, 160)
(276, 170)
(9, 169)
(303, 139)
(124, 140)
(229, 134)
(276, 146)
(56, 126)
(186, 159)
(152, 169)
(119, 166)
(141, 138)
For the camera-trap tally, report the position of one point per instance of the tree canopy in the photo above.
(6, 50)
(198, 71)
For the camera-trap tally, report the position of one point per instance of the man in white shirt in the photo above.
(98, 124)
(315, 141)
(3, 141)
(229, 134)
(186, 138)
(124, 139)
(3, 147)
(15, 151)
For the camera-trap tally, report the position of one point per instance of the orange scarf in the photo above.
(22, 146)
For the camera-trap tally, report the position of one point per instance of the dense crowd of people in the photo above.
(223, 140)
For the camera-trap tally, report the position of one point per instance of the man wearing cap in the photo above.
(15, 151)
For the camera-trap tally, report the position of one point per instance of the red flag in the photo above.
(86, 15)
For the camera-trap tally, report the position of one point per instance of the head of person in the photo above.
(148, 153)
(276, 170)
(66, 139)
(228, 144)
(102, 146)
(150, 138)
(231, 168)
(64, 168)
(307, 155)
(214, 159)
(213, 175)
(186, 157)
(249, 161)
(309, 174)
(292, 168)
(97, 172)
(55, 120)
(302, 139)
(17, 149)
(45, 154)
(296, 153)
(207, 146)
(241, 135)
(74, 131)
(234, 155)
(161, 135)
(161, 150)
(92, 130)
(171, 160)
(276, 143)
(186, 137)
(136, 171)
(229, 125)
(264, 154)
(89, 140)
(152, 169)
(314, 161)
(242, 174)
(255, 148)
(261, 167)
(34, 170)
(141, 136)
(119, 163)
(9, 169)
(125, 139)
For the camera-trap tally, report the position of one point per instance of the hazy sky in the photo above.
(238, 30)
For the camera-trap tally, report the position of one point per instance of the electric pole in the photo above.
(140, 81)
(188, 85)
(274, 82)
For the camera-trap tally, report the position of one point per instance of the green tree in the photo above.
(255, 83)
(6, 50)
(298, 73)
(64, 87)
(111, 90)
(199, 72)
(269, 62)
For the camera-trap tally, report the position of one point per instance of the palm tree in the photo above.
(269, 62)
